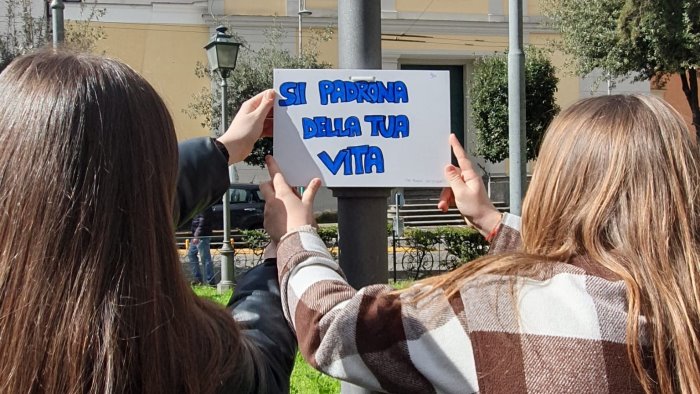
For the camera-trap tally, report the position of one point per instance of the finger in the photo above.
(272, 167)
(454, 177)
(446, 199)
(464, 163)
(254, 102)
(281, 186)
(266, 101)
(268, 191)
(310, 193)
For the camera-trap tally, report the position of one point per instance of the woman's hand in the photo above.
(251, 123)
(284, 210)
(468, 193)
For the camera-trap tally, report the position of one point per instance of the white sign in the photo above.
(362, 128)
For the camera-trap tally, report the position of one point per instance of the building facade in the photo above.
(164, 39)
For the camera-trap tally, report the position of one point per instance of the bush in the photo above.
(464, 243)
(329, 236)
(489, 92)
(327, 217)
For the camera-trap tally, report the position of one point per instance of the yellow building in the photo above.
(164, 40)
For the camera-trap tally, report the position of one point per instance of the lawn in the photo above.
(304, 378)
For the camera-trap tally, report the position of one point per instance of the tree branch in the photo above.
(684, 84)
(690, 89)
(693, 100)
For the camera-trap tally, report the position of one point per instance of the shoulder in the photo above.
(560, 300)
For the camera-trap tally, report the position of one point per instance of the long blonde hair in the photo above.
(618, 181)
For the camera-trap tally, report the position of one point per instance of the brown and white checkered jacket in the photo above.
(562, 332)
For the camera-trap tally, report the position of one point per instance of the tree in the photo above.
(23, 32)
(645, 39)
(252, 75)
(489, 101)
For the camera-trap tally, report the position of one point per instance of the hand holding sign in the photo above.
(251, 123)
(284, 210)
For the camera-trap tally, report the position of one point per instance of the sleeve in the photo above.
(202, 178)
(508, 238)
(256, 306)
(375, 337)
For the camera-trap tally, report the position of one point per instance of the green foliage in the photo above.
(327, 217)
(422, 240)
(642, 39)
(463, 242)
(24, 32)
(252, 75)
(646, 37)
(212, 294)
(329, 236)
(401, 284)
(255, 239)
(489, 97)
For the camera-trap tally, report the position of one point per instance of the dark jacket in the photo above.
(201, 224)
(255, 304)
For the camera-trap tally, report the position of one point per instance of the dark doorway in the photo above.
(456, 94)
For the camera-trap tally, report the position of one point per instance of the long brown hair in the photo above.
(92, 298)
(618, 181)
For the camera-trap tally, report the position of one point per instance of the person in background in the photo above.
(199, 248)
(94, 184)
(596, 289)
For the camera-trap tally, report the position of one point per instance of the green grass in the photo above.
(211, 294)
(304, 378)
(401, 284)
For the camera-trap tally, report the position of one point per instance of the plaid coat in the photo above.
(563, 331)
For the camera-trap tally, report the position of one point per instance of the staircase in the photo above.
(420, 209)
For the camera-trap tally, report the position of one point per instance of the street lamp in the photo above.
(58, 33)
(222, 53)
(302, 13)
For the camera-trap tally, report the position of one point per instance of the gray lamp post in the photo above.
(57, 25)
(222, 53)
(302, 13)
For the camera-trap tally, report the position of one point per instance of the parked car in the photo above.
(247, 207)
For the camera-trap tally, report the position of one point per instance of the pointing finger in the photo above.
(268, 191)
(272, 167)
(453, 176)
(281, 186)
(464, 163)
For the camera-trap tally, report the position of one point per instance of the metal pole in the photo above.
(302, 12)
(299, 38)
(57, 8)
(226, 251)
(393, 248)
(361, 211)
(516, 106)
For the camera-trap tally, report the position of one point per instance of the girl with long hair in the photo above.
(92, 295)
(598, 290)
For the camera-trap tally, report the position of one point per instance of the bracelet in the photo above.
(221, 147)
(493, 232)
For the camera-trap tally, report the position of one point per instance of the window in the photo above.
(239, 196)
